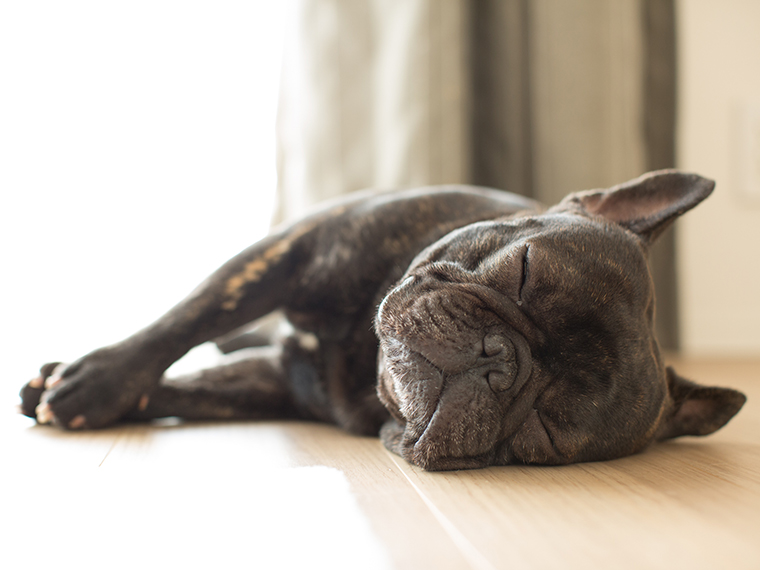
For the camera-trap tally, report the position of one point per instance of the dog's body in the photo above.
(507, 334)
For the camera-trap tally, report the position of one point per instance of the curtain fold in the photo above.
(373, 94)
(539, 97)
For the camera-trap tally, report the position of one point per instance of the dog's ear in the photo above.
(697, 410)
(648, 204)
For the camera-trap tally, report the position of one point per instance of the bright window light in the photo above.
(137, 154)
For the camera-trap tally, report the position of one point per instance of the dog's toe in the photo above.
(36, 383)
(56, 377)
(44, 413)
(31, 393)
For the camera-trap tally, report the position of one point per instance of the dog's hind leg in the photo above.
(266, 331)
(252, 385)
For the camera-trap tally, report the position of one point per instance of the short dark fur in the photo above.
(507, 334)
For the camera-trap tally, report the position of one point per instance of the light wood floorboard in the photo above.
(300, 495)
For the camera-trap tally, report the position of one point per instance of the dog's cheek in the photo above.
(386, 393)
(467, 423)
(391, 434)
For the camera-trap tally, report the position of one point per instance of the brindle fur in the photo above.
(507, 334)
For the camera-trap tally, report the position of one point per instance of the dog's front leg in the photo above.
(100, 388)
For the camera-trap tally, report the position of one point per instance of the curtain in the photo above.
(539, 97)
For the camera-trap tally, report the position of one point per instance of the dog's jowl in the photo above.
(468, 327)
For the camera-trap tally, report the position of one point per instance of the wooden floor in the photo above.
(298, 495)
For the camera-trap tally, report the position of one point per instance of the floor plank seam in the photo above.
(110, 449)
(468, 550)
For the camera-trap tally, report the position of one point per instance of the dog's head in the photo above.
(530, 339)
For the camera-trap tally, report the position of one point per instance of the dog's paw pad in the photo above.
(78, 422)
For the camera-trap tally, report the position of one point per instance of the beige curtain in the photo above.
(539, 97)
(374, 94)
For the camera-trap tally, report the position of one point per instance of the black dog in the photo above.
(506, 334)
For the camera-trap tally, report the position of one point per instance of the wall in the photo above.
(719, 137)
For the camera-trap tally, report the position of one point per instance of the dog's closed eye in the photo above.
(524, 276)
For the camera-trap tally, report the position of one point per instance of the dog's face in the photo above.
(529, 340)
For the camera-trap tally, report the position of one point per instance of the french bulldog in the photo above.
(467, 326)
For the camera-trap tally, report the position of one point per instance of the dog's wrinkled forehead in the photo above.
(472, 246)
(544, 261)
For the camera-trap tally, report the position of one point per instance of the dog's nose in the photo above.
(498, 362)
(493, 359)
(494, 344)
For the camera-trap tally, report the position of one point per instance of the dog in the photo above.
(467, 326)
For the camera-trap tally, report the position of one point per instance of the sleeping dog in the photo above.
(467, 326)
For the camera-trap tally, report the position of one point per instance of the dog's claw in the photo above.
(55, 377)
(44, 413)
(52, 382)
(37, 382)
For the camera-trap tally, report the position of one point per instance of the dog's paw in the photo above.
(96, 391)
(32, 391)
